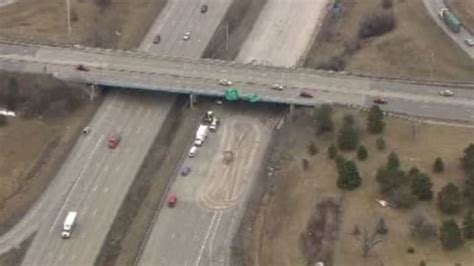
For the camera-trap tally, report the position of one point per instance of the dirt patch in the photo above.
(15, 256)
(417, 48)
(111, 24)
(321, 232)
(291, 192)
(464, 9)
(239, 19)
(34, 149)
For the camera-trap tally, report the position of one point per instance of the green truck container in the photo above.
(450, 19)
(232, 94)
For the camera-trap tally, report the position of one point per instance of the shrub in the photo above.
(381, 227)
(312, 149)
(402, 197)
(449, 199)
(348, 136)
(391, 179)
(450, 235)
(334, 63)
(387, 4)
(421, 227)
(375, 122)
(376, 24)
(332, 151)
(468, 225)
(410, 250)
(362, 153)
(324, 119)
(438, 165)
(380, 144)
(305, 164)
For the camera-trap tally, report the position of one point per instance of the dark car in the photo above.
(81, 68)
(203, 9)
(305, 95)
(380, 101)
(185, 171)
(157, 39)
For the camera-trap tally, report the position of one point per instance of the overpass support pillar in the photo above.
(192, 100)
(292, 107)
(93, 91)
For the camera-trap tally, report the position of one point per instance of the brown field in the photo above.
(120, 24)
(415, 49)
(273, 237)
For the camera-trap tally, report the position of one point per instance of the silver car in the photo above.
(469, 42)
(225, 82)
(446, 93)
(277, 87)
(187, 35)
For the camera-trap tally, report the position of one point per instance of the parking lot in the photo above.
(211, 197)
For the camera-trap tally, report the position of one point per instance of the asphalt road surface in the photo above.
(433, 7)
(94, 180)
(212, 198)
(179, 17)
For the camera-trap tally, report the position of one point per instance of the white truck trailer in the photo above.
(68, 225)
(201, 135)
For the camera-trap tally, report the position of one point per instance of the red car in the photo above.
(113, 141)
(380, 101)
(81, 67)
(172, 200)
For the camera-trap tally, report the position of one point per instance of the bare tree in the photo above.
(368, 239)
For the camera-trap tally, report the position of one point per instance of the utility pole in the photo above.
(227, 35)
(68, 14)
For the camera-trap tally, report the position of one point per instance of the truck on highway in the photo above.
(68, 224)
(201, 135)
(450, 20)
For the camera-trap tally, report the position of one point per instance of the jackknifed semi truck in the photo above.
(450, 20)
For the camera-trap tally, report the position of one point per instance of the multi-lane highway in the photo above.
(138, 70)
(433, 7)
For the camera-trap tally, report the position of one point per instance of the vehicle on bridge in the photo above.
(446, 93)
(450, 20)
(81, 67)
(214, 124)
(208, 118)
(172, 199)
(113, 141)
(305, 95)
(380, 100)
(277, 87)
(68, 224)
(225, 82)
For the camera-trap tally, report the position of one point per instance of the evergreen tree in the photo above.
(324, 119)
(449, 199)
(393, 162)
(349, 177)
(380, 144)
(438, 165)
(450, 235)
(421, 186)
(381, 227)
(362, 153)
(332, 151)
(375, 122)
(468, 225)
(348, 137)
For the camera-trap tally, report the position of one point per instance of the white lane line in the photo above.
(97, 145)
(205, 239)
(214, 236)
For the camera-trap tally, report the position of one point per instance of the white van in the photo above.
(193, 151)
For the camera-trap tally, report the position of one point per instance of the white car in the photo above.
(469, 42)
(277, 87)
(446, 93)
(187, 35)
(225, 82)
(193, 151)
(86, 130)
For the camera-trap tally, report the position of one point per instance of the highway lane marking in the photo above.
(214, 236)
(205, 239)
(76, 182)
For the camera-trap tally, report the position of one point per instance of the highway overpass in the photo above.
(129, 69)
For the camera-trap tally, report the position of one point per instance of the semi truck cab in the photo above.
(68, 225)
